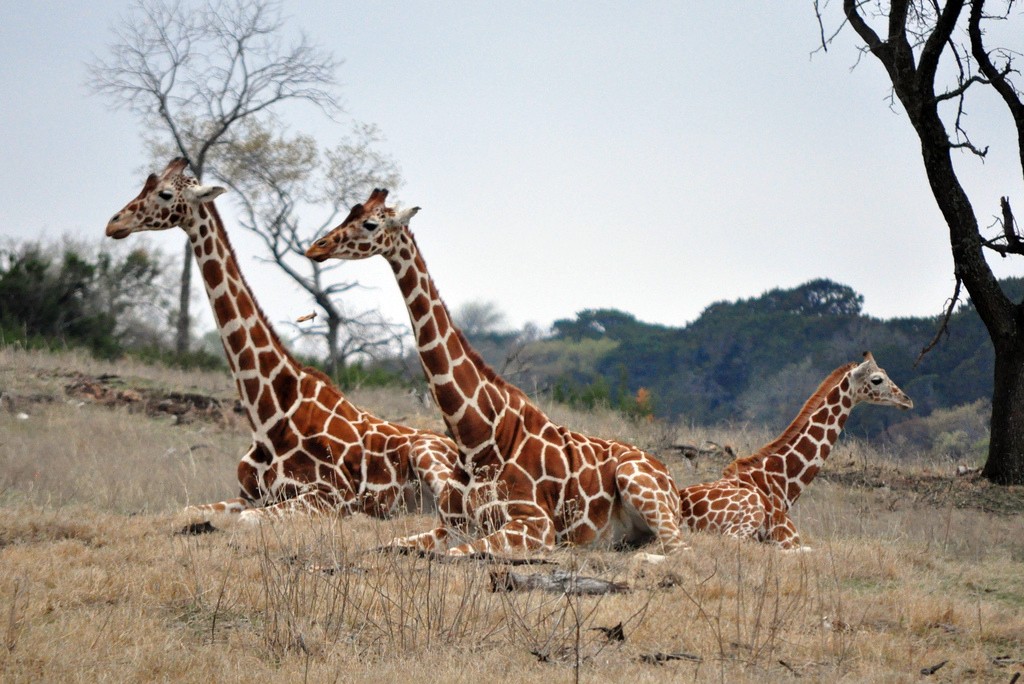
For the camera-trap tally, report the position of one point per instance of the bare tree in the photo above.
(478, 317)
(194, 71)
(506, 349)
(912, 38)
(278, 179)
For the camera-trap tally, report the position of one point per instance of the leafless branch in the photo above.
(1009, 225)
(961, 89)
(967, 145)
(1009, 242)
(825, 40)
(944, 325)
(999, 78)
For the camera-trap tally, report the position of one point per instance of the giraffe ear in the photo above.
(402, 217)
(207, 193)
(866, 366)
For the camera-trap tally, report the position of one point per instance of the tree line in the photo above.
(750, 361)
(758, 359)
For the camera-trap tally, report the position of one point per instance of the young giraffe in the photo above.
(312, 449)
(753, 498)
(522, 480)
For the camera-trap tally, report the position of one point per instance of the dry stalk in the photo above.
(13, 622)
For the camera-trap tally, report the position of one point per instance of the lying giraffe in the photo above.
(312, 449)
(521, 480)
(753, 498)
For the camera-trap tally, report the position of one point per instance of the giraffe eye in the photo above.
(876, 380)
(165, 194)
(369, 225)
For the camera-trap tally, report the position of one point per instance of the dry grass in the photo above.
(96, 585)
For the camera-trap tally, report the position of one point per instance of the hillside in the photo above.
(755, 361)
(97, 458)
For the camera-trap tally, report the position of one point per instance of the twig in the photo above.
(944, 326)
(926, 671)
(1009, 242)
(659, 658)
(789, 667)
(1013, 241)
(11, 638)
(612, 633)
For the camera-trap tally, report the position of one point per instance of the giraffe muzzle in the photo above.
(117, 232)
(317, 254)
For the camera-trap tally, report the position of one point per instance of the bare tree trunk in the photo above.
(181, 341)
(1005, 464)
(1003, 320)
(331, 364)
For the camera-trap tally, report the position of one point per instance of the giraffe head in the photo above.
(167, 200)
(370, 228)
(871, 384)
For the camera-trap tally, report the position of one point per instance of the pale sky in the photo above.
(653, 157)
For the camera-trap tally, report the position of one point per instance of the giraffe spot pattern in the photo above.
(224, 310)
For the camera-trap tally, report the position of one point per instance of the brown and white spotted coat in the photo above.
(521, 480)
(312, 449)
(753, 498)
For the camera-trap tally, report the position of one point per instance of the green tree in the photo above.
(820, 297)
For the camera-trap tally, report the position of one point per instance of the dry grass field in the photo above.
(915, 574)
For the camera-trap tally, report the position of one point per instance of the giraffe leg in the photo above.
(433, 540)
(453, 522)
(432, 461)
(316, 501)
(724, 508)
(784, 535)
(517, 535)
(651, 494)
(230, 507)
(745, 517)
(200, 512)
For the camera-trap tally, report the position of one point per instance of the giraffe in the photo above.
(312, 450)
(521, 480)
(754, 495)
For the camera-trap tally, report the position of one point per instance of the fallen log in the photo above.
(559, 582)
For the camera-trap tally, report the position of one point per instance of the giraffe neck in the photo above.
(793, 459)
(265, 373)
(471, 396)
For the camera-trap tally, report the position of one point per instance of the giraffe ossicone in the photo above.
(312, 450)
(521, 481)
(754, 495)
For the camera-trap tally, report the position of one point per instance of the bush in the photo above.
(67, 295)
